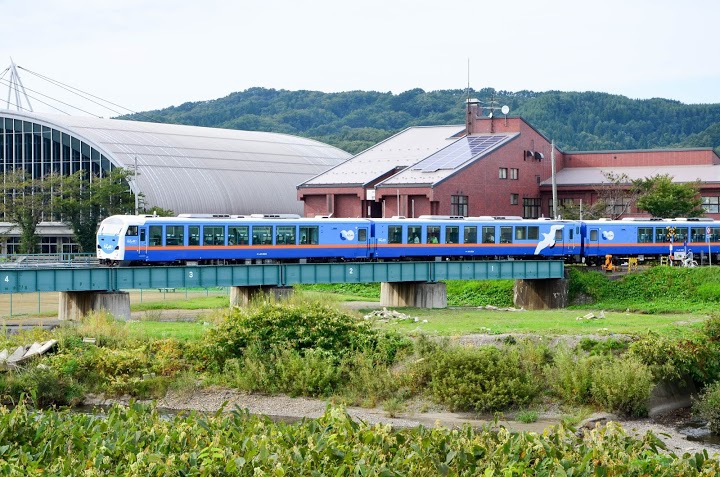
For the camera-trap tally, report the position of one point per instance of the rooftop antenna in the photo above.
(15, 85)
(467, 91)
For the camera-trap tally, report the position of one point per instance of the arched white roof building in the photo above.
(186, 169)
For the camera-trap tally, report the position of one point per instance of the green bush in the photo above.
(570, 376)
(298, 326)
(669, 359)
(708, 407)
(481, 379)
(46, 386)
(622, 385)
(672, 359)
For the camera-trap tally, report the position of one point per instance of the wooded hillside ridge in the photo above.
(356, 120)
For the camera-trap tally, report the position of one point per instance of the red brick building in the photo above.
(491, 166)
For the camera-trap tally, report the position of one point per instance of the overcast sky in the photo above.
(154, 54)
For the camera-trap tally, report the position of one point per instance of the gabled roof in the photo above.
(399, 151)
(436, 168)
(578, 176)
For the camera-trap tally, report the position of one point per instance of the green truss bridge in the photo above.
(404, 283)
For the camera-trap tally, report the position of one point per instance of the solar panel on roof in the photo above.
(458, 152)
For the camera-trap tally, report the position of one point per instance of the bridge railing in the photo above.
(44, 260)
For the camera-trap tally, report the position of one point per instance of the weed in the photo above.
(527, 416)
(393, 407)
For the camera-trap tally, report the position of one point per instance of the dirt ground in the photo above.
(29, 305)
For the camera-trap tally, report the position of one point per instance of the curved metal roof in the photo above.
(190, 169)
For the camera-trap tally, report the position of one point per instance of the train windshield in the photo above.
(110, 229)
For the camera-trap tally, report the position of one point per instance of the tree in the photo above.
(615, 197)
(662, 197)
(27, 201)
(86, 200)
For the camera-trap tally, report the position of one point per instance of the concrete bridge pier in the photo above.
(541, 294)
(414, 294)
(73, 305)
(241, 296)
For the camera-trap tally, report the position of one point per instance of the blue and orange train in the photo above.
(218, 239)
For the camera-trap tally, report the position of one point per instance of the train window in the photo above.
(213, 235)
(433, 234)
(714, 234)
(194, 235)
(309, 235)
(534, 233)
(174, 235)
(132, 231)
(414, 234)
(681, 234)
(558, 235)
(470, 234)
(520, 233)
(262, 235)
(594, 235)
(238, 235)
(156, 235)
(661, 235)
(452, 234)
(505, 235)
(697, 234)
(645, 235)
(285, 236)
(395, 234)
(142, 235)
(362, 235)
(488, 234)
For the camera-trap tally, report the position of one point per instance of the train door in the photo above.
(143, 243)
(593, 242)
(364, 238)
(570, 242)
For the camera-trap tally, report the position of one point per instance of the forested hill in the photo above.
(355, 120)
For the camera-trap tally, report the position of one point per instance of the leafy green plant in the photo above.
(707, 406)
(622, 385)
(299, 326)
(46, 387)
(136, 440)
(481, 379)
(570, 376)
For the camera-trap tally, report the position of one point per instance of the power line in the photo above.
(12, 87)
(78, 92)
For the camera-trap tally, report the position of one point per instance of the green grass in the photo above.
(453, 322)
(179, 330)
(194, 303)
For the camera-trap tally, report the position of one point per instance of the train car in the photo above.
(126, 240)
(649, 239)
(466, 238)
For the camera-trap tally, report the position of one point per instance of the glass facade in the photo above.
(41, 150)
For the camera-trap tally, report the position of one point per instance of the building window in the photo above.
(563, 204)
(618, 207)
(514, 199)
(531, 208)
(503, 173)
(514, 174)
(711, 205)
(459, 205)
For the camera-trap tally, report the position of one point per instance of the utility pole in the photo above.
(554, 183)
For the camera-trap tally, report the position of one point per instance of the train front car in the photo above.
(114, 246)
